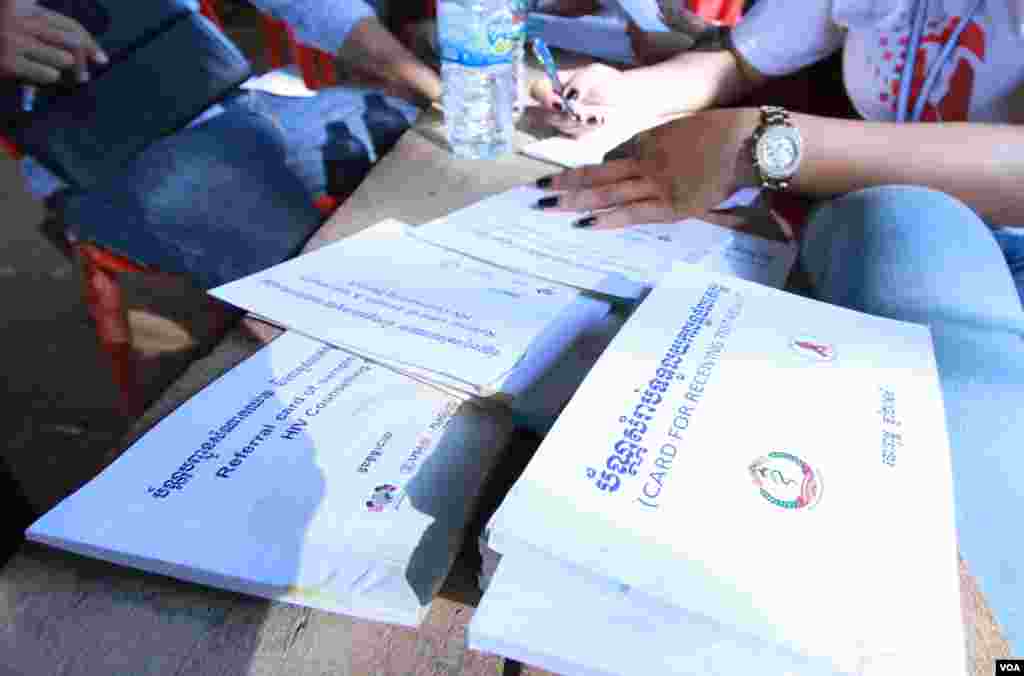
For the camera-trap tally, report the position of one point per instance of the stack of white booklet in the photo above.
(625, 263)
(433, 314)
(747, 481)
(306, 474)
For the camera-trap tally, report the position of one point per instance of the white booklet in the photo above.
(305, 474)
(434, 314)
(759, 459)
(508, 230)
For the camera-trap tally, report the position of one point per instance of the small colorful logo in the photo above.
(787, 481)
(382, 496)
(505, 30)
(812, 349)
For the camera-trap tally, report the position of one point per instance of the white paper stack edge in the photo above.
(306, 474)
(749, 512)
(460, 324)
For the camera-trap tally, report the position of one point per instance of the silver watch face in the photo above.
(779, 151)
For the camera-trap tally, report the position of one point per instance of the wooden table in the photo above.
(74, 616)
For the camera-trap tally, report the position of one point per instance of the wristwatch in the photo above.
(777, 148)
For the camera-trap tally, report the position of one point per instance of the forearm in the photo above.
(980, 164)
(324, 24)
(373, 47)
(693, 81)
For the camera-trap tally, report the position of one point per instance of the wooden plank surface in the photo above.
(68, 615)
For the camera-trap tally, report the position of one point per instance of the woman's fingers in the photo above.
(606, 196)
(35, 72)
(47, 55)
(63, 31)
(596, 174)
(544, 92)
(635, 213)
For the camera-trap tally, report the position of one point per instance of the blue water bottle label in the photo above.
(479, 41)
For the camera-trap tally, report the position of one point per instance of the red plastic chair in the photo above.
(315, 65)
(722, 12)
(104, 298)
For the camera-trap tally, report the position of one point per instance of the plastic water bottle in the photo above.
(481, 45)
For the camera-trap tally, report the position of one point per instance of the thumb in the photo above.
(543, 91)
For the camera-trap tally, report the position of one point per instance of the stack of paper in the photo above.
(306, 474)
(507, 229)
(737, 475)
(433, 314)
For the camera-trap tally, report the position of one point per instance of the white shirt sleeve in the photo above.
(778, 37)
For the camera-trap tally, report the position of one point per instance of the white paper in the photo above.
(551, 615)
(305, 474)
(592, 147)
(400, 300)
(744, 197)
(754, 259)
(285, 82)
(508, 230)
(709, 378)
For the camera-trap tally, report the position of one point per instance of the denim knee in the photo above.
(897, 249)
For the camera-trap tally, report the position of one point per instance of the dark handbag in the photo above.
(167, 65)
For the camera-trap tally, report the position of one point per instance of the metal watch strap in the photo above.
(770, 116)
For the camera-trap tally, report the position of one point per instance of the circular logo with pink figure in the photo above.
(382, 496)
(787, 481)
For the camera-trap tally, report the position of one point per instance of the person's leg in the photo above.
(334, 138)
(214, 202)
(915, 254)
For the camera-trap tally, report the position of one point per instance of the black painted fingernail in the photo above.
(544, 182)
(592, 119)
(558, 105)
(585, 222)
(547, 202)
(572, 95)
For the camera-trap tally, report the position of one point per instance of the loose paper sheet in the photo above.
(400, 300)
(759, 458)
(592, 147)
(508, 230)
(305, 474)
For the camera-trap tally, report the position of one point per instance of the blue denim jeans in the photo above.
(916, 254)
(234, 194)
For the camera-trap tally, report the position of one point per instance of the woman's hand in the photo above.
(36, 44)
(651, 48)
(377, 58)
(679, 170)
(594, 92)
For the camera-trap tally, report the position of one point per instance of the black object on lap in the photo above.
(167, 65)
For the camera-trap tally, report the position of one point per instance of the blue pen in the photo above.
(548, 61)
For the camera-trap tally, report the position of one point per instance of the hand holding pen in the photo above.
(543, 54)
(577, 101)
(37, 44)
